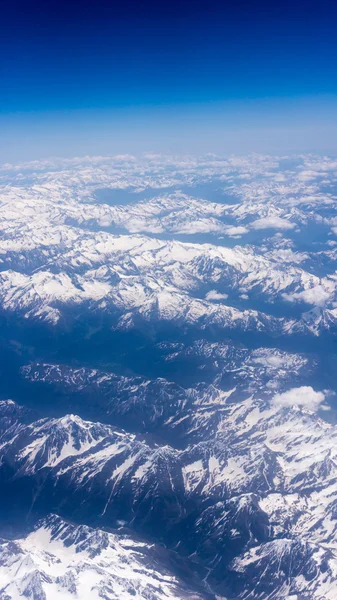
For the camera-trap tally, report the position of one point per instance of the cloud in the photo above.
(214, 295)
(272, 223)
(236, 231)
(300, 396)
(316, 295)
(308, 175)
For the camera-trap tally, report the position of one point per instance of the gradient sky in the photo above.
(104, 77)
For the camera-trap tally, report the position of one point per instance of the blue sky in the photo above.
(99, 77)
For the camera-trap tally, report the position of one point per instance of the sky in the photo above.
(103, 77)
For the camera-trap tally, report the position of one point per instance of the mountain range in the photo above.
(168, 378)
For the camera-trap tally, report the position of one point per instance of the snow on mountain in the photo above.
(51, 261)
(154, 279)
(225, 372)
(139, 403)
(286, 569)
(48, 442)
(267, 474)
(61, 560)
(168, 325)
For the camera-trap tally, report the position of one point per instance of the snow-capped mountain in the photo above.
(60, 559)
(263, 483)
(144, 405)
(168, 337)
(53, 261)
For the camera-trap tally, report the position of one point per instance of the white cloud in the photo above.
(300, 396)
(272, 223)
(236, 231)
(316, 295)
(310, 199)
(307, 175)
(214, 295)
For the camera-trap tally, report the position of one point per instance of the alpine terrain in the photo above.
(168, 408)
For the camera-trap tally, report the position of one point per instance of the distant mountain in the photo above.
(168, 339)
